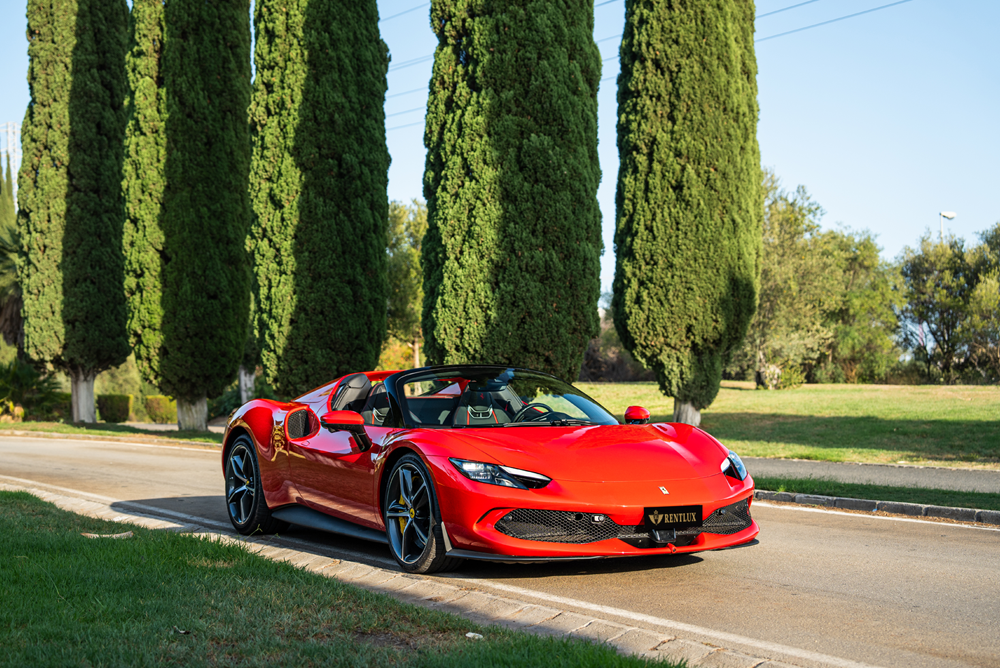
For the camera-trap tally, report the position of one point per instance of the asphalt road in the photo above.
(877, 591)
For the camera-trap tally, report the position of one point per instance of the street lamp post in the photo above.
(950, 215)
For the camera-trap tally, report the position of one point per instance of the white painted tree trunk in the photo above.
(416, 353)
(192, 416)
(246, 380)
(82, 388)
(686, 413)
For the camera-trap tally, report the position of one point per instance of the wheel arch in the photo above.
(397, 453)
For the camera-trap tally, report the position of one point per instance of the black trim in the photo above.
(313, 519)
(506, 559)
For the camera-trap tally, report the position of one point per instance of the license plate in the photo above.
(672, 517)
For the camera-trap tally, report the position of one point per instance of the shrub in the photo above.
(161, 410)
(22, 384)
(791, 377)
(115, 407)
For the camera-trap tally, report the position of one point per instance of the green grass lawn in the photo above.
(70, 600)
(940, 425)
(112, 429)
(929, 497)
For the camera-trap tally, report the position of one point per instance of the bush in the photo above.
(161, 410)
(791, 377)
(22, 384)
(115, 407)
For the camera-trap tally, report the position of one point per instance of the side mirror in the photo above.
(636, 415)
(348, 421)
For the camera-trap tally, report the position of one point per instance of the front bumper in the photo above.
(471, 511)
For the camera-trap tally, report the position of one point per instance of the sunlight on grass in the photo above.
(940, 425)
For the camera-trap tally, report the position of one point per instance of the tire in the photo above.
(413, 519)
(245, 502)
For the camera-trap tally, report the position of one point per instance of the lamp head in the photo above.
(950, 215)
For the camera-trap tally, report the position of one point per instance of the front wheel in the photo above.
(413, 520)
(248, 510)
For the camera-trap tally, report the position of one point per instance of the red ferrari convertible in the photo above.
(481, 462)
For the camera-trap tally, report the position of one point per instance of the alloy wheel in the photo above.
(408, 517)
(241, 484)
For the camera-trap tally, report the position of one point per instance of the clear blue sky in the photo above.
(887, 118)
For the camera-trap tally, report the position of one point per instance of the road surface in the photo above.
(873, 590)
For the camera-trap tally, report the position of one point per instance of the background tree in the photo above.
(143, 185)
(8, 212)
(70, 205)
(206, 206)
(511, 259)
(407, 227)
(799, 278)
(938, 281)
(688, 219)
(982, 326)
(863, 318)
(319, 179)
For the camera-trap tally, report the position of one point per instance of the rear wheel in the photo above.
(248, 510)
(413, 519)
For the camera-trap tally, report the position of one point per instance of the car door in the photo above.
(334, 473)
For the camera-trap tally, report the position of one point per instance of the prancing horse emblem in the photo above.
(664, 490)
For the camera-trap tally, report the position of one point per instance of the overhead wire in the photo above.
(411, 9)
(785, 9)
(824, 23)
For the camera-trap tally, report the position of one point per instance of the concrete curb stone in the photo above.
(900, 508)
(815, 499)
(962, 514)
(988, 516)
(679, 649)
(855, 504)
(725, 658)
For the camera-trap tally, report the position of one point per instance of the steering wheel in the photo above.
(521, 413)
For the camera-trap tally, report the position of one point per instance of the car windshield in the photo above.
(495, 397)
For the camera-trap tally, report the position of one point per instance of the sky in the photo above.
(887, 118)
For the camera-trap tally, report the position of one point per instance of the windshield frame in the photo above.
(394, 387)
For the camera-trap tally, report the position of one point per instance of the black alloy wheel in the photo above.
(413, 520)
(248, 510)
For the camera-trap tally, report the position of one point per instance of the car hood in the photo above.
(656, 452)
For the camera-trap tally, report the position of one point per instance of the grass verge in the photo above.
(112, 429)
(929, 497)
(935, 425)
(165, 598)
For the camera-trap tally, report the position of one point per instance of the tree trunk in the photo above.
(686, 413)
(416, 353)
(246, 380)
(82, 386)
(192, 416)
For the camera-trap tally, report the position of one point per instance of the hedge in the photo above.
(161, 410)
(115, 407)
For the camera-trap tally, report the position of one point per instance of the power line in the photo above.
(415, 90)
(842, 18)
(408, 125)
(411, 9)
(408, 111)
(409, 63)
(778, 11)
(607, 38)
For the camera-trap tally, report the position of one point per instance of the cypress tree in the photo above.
(145, 158)
(511, 259)
(318, 181)
(206, 206)
(71, 211)
(8, 213)
(689, 208)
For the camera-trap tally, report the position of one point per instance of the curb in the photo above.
(895, 507)
(136, 439)
(477, 606)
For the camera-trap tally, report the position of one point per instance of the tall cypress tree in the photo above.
(145, 159)
(71, 211)
(318, 182)
(8, 212)
(206, 204)
(512, 254)
(689, 208)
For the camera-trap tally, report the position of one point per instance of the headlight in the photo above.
(733, 467)
(505, 476)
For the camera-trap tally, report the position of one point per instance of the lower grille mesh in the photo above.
(560, 526)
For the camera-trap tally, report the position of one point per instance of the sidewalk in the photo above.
(964, 480)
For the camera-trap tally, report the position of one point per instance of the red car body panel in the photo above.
(615, 471)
